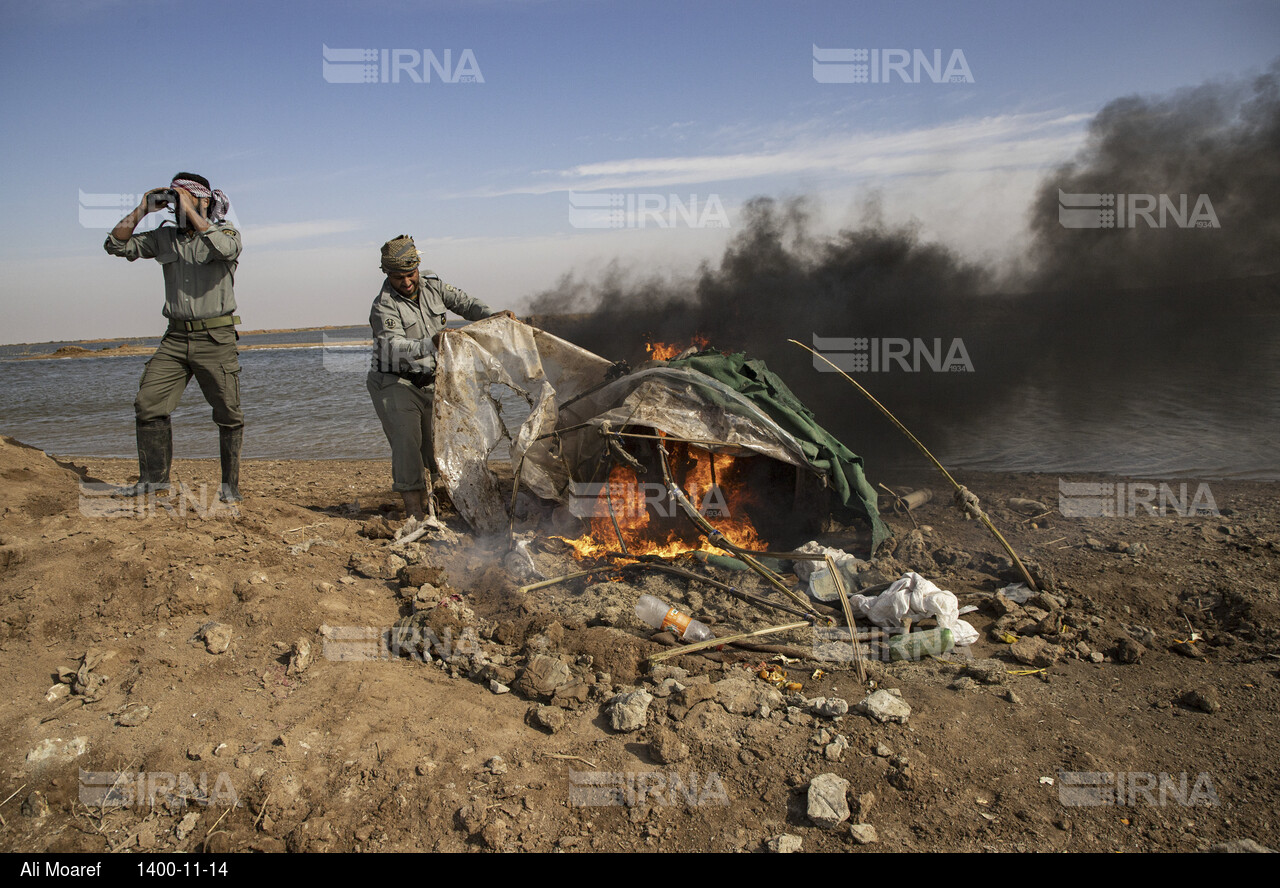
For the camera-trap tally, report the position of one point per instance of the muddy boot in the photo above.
(229, 441)
(413, 506)
(155, 455)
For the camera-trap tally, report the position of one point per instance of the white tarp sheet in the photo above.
(567, 392)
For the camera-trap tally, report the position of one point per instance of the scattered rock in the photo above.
(832, 707)
(299, 657)
(552, 718)
(55, 750)
(797, 716)
(216, 637)
(866, 802)
(147, 835)
(187, 824)
(378, 528)
(834, 750)
(133, 716)
(827, 806)
(695, 693)
(498, 687)
(1187, 649)
(964, 683)
(885, 707)
(1128, 651)
(667, 749)
(667, 688)
(1012, 697)
(743, 694)
(1035, 652)
(542, 675)
(418, 575)
(863, 833)
(989, 672)
(630, 711)
(496, 765)
(784, 844)
(35, 805)
(1203, 699)
(912, 550)
(1096, 657)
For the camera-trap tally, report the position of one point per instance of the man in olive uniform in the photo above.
(407, 314)
(198, 256)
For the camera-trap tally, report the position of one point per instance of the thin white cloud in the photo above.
(1019, 141)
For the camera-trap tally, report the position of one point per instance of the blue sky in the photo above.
(713, 102)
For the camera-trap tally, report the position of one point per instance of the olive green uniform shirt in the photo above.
(199, 270)
(403, 327)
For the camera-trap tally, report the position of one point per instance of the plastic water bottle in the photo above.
(660, 615)
(918, 645)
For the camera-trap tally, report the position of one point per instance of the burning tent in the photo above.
(596, 434)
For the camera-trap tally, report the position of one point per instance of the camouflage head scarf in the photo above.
(399, 255)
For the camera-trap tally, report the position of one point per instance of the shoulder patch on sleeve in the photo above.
(390, 323)
(230, 231)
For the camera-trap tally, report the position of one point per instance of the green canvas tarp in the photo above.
(824, 452)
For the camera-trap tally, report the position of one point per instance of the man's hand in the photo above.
(505, 314)
(150, 206)
(189, 209)
(124, 228)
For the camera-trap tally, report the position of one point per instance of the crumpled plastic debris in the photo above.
(818, 576)
(913, 597)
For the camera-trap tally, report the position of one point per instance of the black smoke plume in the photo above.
(1093, 317)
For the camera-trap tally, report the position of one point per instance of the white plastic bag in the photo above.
(915, 597)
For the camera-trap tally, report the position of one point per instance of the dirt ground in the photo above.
(286, 724)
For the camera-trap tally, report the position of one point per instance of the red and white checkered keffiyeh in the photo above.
(218, 203)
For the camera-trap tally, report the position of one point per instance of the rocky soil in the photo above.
(285, 676)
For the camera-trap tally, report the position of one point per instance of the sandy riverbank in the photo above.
(389, 754)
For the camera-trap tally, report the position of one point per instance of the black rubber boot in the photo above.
(229, 441)
(155, 455)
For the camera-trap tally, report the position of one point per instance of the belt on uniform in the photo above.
(207, 324)
(421, 380)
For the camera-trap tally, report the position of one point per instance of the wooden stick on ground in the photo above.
(728, 639)
(572, 576)
(848, 618)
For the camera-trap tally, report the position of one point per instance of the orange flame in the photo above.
(666, 351)
(633, 505)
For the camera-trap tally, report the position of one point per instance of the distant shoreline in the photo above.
(120, 351)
